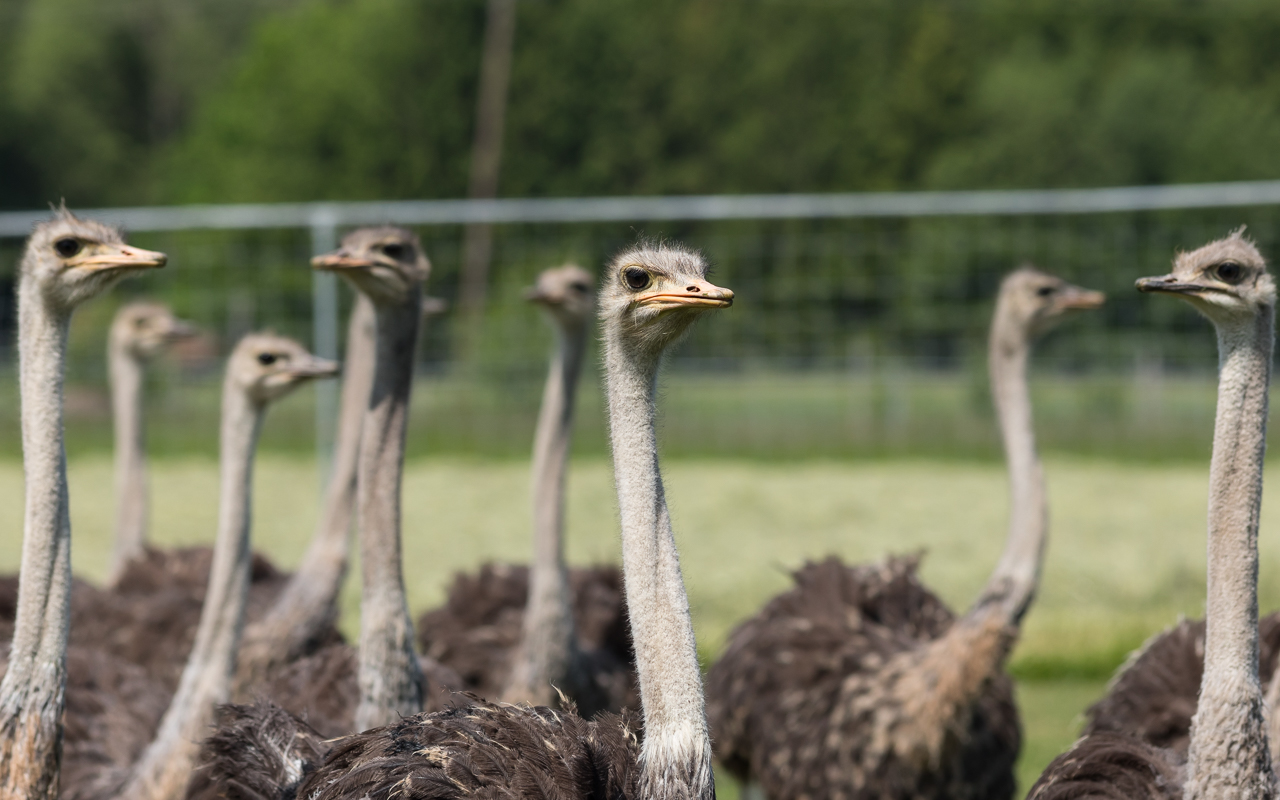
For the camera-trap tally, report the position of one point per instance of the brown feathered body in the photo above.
(477, 631)
(1154, 695)
(844, 687)
(481, 750)
(1110, 766)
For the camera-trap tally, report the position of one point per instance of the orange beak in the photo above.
(117, 256)
(339, 260)
(1077, 298)
(696, 294)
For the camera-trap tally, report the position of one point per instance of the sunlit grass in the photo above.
(1126, 555)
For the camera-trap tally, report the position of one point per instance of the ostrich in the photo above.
(652, 294)
(1228, 753)
(386, 265)
(139, 332)
(262, 369)
(66, 262)
(859, 681)
(510, 631)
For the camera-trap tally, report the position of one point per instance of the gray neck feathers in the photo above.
(309, 601)
(1229, 754)
(546, 652)
(126, 373)
(1012, 585)
(31, 694)
(675, 759)
(390, 677)
(165, 766)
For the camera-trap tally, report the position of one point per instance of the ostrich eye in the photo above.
(579, 286)
(636, 278)
(1228, 272)
(1045, 291)
(394, 250)
(267, 359)
(67, 247)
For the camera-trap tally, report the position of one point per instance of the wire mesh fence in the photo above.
(850, 336)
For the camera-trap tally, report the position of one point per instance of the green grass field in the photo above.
(1125, 559)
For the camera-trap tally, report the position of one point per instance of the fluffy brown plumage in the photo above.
(1155, 694)
(476, 632)
(836, 628)
(464, 751)
(1111, 766)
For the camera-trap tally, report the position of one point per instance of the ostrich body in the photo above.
(1228, 753)
(66, 262)
(652, 294)
(515, 633)
(859, 682)
(139, 332)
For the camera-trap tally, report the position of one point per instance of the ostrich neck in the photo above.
(31, 694)
(675, 758)
(1012, 585)
(165, 766)
(547, 640)
(308, 602)
(126, 373)
(390, 677)
(1228, 737)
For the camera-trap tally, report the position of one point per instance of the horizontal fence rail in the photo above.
(693, 207)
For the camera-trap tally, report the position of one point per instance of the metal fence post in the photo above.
(324, 337)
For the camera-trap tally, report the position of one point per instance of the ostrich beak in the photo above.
(181, 329)
(696, 294)
(102, 256)
(1075, 297)
(1168, 284)
(314, 367)
(339, 260)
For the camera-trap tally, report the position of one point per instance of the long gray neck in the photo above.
(676, 755)
(126, 373)
(390, 677)
(308, 603)
(1012, 585)
(546, 652)
(31, 694)
(165, 766)
(1229, 753)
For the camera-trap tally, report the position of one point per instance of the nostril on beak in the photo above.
(692, 289)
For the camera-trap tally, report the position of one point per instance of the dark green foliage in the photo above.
(229, 100)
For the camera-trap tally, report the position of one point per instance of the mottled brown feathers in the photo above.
(811, 697)
(1108, 766)
(1154, 696)
(482, 750)
(477, 630)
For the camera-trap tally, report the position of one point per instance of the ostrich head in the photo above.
(266, 367)
(1031, 302)
(652, 293)
(72, 259)
(568, 294)
(144, 329)
(1226, 280)
(385, 263)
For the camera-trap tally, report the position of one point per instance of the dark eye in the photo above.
(67, 247)
(394, 250)
(636, 278)
(579, 286)
(1045, 291)
(1228, 272)
(267, 359)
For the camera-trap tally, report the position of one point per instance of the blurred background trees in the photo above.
(150, 101)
